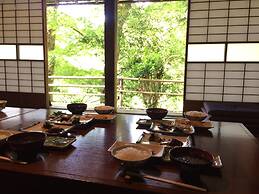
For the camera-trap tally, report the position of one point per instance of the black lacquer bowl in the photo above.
(77, 108)
(156, 113)
(26, 145)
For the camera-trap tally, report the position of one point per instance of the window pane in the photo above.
(7, 52)
(76, 54)
(206, 52)
(151, 57)
(31, 52)
(243, 52)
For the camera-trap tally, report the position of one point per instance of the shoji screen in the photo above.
(22, 61)
(223, 51)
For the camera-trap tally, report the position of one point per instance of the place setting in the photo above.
(166, 141)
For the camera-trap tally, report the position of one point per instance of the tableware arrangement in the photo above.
(3, 104)
(69, 119)
(161, 139)
(199, 120)
(179, 126)
(176, 128)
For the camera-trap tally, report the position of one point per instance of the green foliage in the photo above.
(152, 45)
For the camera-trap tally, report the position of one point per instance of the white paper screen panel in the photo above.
(231, 74)
(31, 52)
(7, 51)
(243, 52)
(22, 46)
(206, 52)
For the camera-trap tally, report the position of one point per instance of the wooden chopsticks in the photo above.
(180, 184)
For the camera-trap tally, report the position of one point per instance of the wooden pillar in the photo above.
(110, 41)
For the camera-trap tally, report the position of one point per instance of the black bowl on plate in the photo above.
(156, 113)
(26, 145)
(191, 159)
(77, 108)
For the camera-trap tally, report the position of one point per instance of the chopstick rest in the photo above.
(180, 184)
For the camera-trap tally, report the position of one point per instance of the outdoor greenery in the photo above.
(151, 46)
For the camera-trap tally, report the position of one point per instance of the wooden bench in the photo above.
(246, 113)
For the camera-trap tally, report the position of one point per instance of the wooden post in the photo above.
(110, 39)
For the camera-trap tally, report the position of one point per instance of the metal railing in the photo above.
(58, 87)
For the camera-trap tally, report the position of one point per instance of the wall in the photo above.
(222, 53)
(22, 56)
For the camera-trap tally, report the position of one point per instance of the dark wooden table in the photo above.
(87, 166)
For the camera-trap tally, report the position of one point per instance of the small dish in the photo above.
(58, 142)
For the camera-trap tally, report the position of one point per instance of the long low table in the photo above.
(87, 166)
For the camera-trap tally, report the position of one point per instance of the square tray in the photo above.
(58, 142)
(68, 119)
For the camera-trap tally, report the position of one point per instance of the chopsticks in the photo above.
(180, 184)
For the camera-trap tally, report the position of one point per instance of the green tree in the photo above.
(152, 46)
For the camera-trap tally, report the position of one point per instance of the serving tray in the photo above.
(97, 117)
(164, 127)
(69, 119)
(58, 142)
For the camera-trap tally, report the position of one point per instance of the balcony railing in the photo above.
(61, 92)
